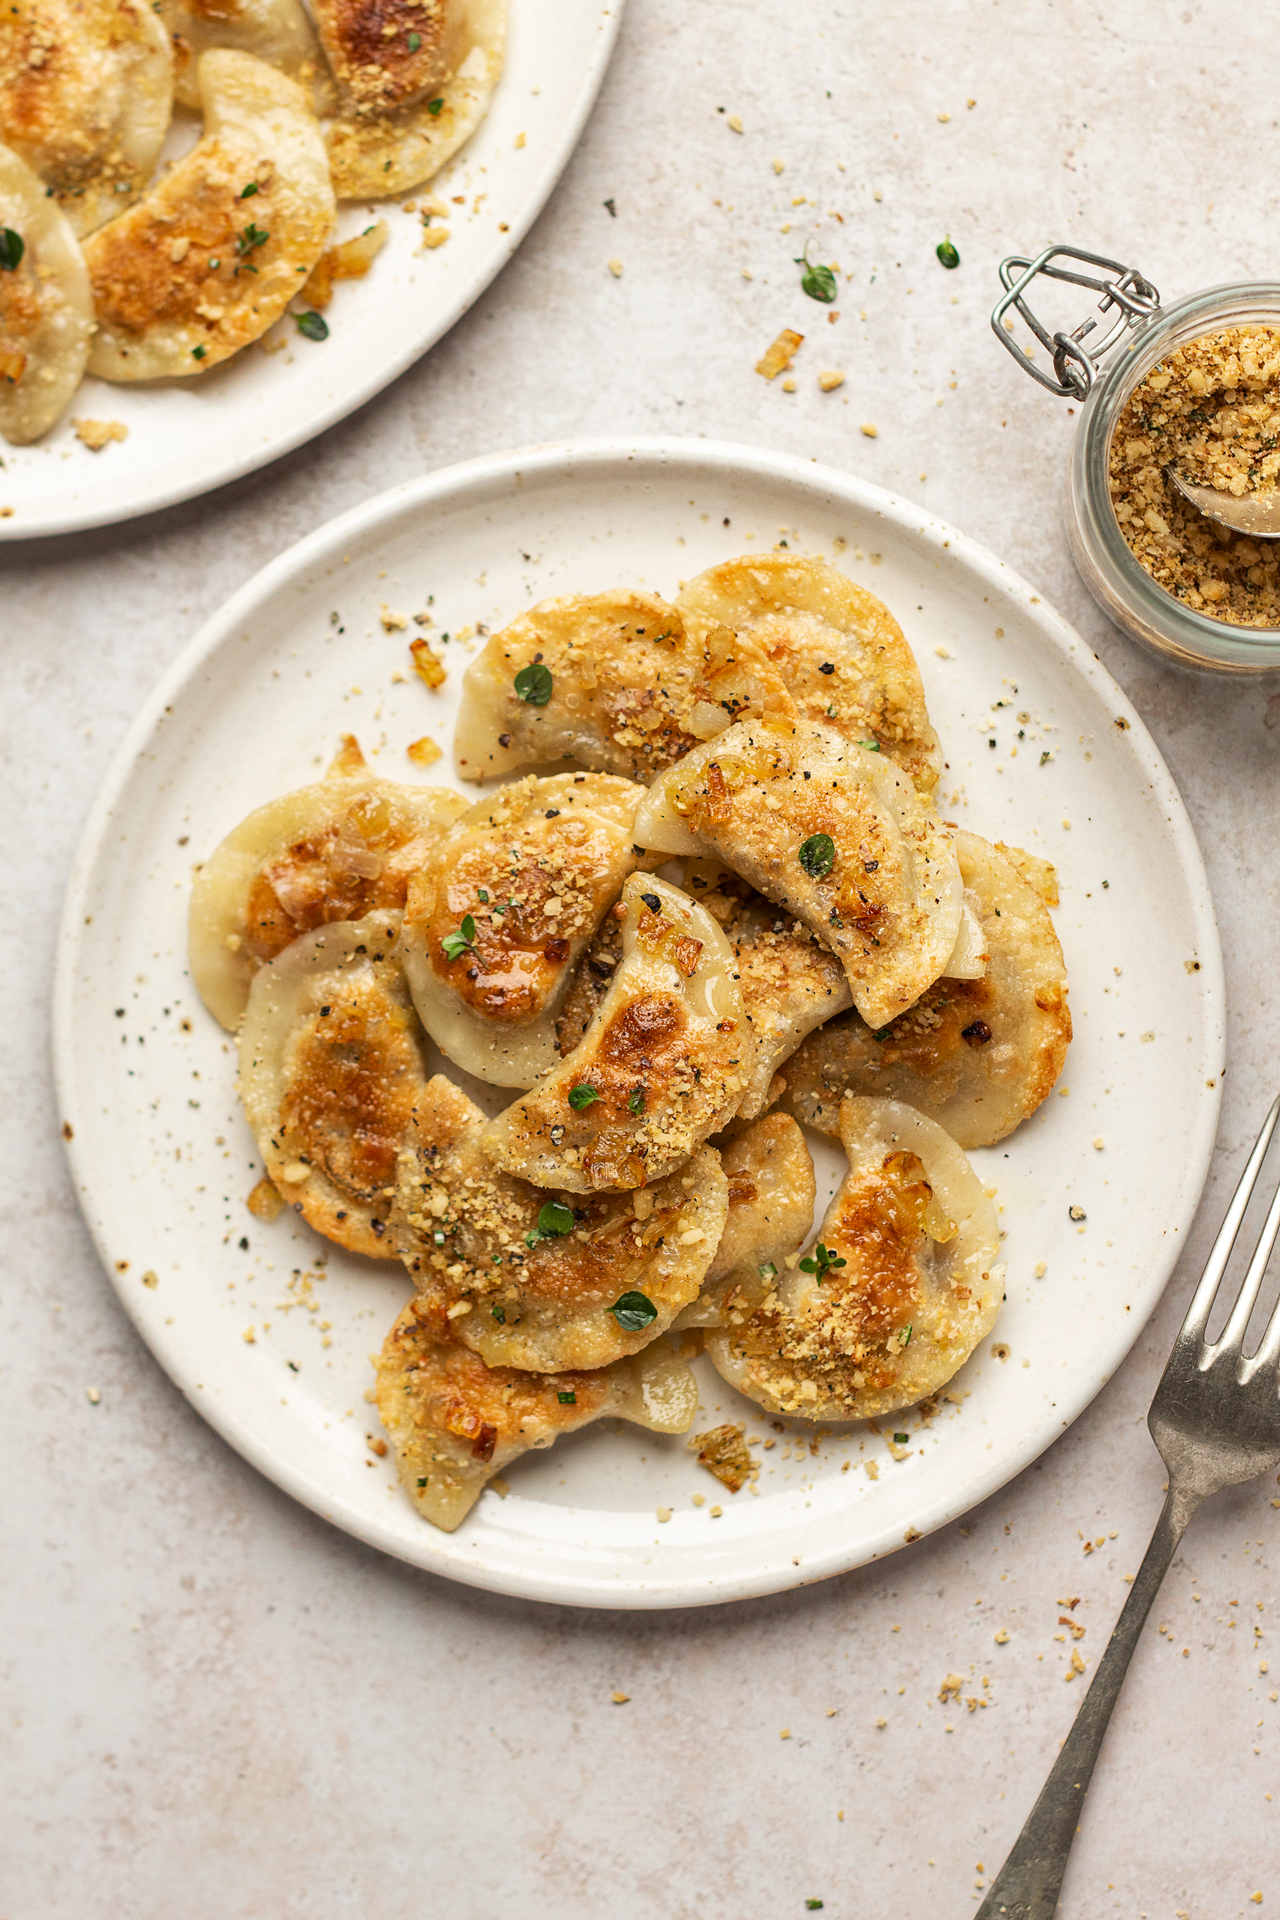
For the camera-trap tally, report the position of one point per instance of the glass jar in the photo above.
(1136, 334)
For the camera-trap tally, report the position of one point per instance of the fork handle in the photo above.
(1027, 1886)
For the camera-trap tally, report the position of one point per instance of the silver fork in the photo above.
(1216, 1420)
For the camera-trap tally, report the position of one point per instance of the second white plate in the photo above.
(186, 437)
(269, 1331)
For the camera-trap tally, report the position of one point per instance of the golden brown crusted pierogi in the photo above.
(217, 247)
(977, 1056)
(911, 1287)
(663, 1065)
(833, 833)
(414, 77)
(331, 1075)
(543, 1280)
(455, 1423)
(771, 1193)
(502, 910)
(839, 650)
(86, 96)
(46, 309)
(346, 846)
(630, 692)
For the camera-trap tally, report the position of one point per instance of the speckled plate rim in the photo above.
(447, 1554)
(113, 505)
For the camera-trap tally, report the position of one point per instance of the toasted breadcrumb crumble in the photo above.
(1212, 410)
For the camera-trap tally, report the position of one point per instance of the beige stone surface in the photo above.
(217, 1706)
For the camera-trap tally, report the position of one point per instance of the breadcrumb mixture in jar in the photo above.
(1212, 409)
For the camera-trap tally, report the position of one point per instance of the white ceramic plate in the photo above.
(163, 1161)
(189, 436)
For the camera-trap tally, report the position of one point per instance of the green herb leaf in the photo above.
(635, 1103)
(814, 1905)
(12, 248)
(767, 1270)
(822, 1261)
(251, 237)
(533, 684)
(817, 281)
(906, 1337)
(247, 193)
(435, 107)
(456, 944)
(948, 252)
(818, 855)
(899, 1439)
(313, 326)
(415, 41)
(555, 1219)
(482, 895)
(499, 1315)
(567, 1399)
(582, 1096)
(198, 353)
(422, 1483)
(632, 1311)
(872, 746)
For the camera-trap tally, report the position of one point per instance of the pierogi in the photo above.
(415, 78)
(839, 650)
(771, 1196)
(978, 1056)
(903, 1281)
(501, 911)
(833, 833)
(331, 1075)
(609, 681)
(663, 1065)
(46, 308)
(277, 31)
(543, 1280)
(454, 1422)
(790, 985)
(86, 96)
(216, 249)
(345, 847)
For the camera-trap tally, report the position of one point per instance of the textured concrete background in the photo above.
(215, 1704)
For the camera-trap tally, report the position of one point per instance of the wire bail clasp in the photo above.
(1127, 298)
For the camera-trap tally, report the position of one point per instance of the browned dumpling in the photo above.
(833, 833)
(331, 1075)
(663, 1065)
(543, 1280)
(414, 78)
(978, 1056)
(839, 650)
(771, 1194)
(790, 985)
(502, 910)
(455, 1423)
(346, 846)
(606, 680)
(86, 96)
(218, 246)
(46, 309)
(901, 1285)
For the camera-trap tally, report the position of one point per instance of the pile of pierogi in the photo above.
(117, 265)
(709, 904)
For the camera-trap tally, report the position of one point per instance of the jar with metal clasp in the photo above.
(1100, 365)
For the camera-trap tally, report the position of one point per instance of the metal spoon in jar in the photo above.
(1257, 515)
